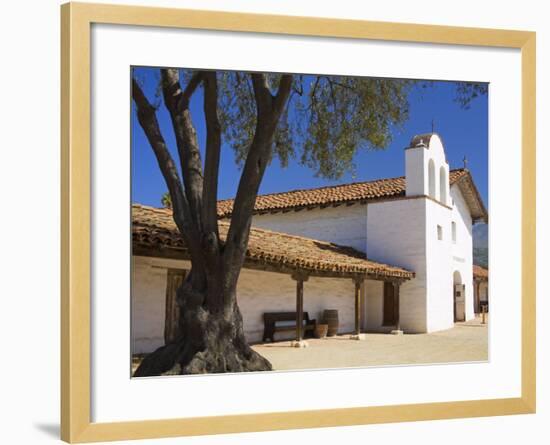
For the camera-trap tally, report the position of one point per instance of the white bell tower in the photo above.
(416, 233)
(426, 168)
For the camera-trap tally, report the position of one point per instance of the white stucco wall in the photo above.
(257, 292)
(462, 250)
(397, 236)
(405, 233)
(439, 271)
(260, 292)
(147, 304)
(346, 225)
(416, 171)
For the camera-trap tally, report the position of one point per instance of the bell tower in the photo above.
(416, 166)
(426, 168)
(416, 234)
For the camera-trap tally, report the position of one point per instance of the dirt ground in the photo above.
(463, 343)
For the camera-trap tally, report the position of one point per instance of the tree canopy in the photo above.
(325, 121)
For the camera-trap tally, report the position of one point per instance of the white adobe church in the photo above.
(390, 255)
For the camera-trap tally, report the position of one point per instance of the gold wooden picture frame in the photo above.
(76, 21)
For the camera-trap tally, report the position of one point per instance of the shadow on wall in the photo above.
(349, 251)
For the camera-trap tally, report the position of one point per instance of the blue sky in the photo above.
(464, 133)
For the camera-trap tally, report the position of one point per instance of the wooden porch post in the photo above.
(299, 310)
(299, 277)
(396, 286)
(358, 281)
(477, 299)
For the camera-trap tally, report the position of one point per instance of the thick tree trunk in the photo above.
(208, 341)
(211, 337)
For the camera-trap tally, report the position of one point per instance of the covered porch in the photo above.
(390, 310)
(281, 273)
(481, 289)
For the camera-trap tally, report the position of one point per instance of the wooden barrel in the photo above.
(330, 317)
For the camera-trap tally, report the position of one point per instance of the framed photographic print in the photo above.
(276, 222)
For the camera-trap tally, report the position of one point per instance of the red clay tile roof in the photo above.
(154, 232)
(480, 273)
(347, 193)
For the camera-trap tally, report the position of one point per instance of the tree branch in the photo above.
(300, 92)
(339, 84)
(181, 213)
(281, 98)
(313, 93)
(193, 84)
(262, 95)
(177, 102)
(210, 241)
(213, 148)
(333, 97)
(269, 113)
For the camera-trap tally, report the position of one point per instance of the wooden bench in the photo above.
(285, 321)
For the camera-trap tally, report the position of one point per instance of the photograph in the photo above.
(293, 221)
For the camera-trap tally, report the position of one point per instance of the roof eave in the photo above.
(480, 214)
(143, 248)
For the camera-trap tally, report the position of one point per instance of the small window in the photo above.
(439, 232)
(453, 228)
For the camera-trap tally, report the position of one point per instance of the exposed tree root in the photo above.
(208, 343)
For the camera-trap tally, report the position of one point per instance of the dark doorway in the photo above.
(459, 297)
(390, 305)
(174, 280)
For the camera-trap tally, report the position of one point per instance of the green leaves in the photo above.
(327, 119)
(466, 92)
(166, 200)
(347, 114)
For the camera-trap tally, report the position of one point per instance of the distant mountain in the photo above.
(480, 235)
(481, 257)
